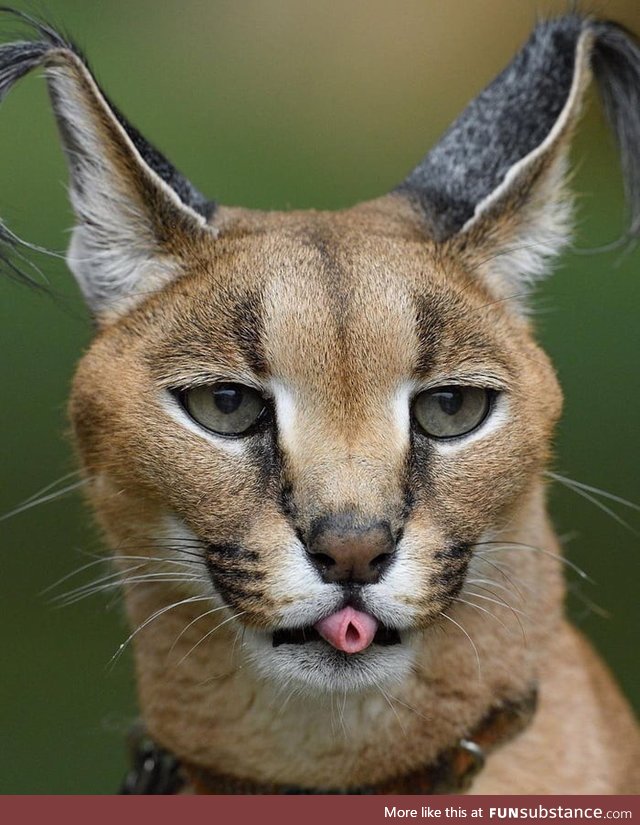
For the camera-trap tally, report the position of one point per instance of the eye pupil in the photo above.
(449, 412)
(450, 401)
(227, 398)
(225, 408)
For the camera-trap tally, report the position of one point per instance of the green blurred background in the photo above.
(277, 104)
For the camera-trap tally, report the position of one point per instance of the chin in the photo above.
(314, 666)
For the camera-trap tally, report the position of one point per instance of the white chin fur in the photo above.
(315, 667)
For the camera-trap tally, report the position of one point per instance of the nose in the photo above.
(349, 552)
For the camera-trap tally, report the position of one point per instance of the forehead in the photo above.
(339, 299)
(310, 299)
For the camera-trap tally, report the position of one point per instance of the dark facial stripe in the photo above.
(248, 332)
(234, 552)
(453, 563)
(233, 573)
(436, 320)
(266, 458)
(430, 327)
(337, 295)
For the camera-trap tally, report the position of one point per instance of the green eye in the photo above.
(447, 412)
(224, 408)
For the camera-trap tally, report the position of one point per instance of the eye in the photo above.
(224, 408)
(447, 412)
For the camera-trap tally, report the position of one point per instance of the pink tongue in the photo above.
(348, 630)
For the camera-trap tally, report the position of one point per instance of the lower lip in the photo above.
(385, 637)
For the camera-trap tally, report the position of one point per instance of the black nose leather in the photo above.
(350, 552)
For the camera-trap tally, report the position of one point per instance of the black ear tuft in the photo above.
(616, 66)
(17, 267)
(19, 58)
(506, 122)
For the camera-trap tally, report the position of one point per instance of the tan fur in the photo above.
(339, 320)
(339, 298)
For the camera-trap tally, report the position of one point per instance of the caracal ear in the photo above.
(494, 187)
(132, 206)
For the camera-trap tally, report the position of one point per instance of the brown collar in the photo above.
(157, 771)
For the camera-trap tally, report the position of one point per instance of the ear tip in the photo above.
(18, 56)
(512, 116)
(51, 34)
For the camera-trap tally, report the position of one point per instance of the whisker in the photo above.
(235, 644)
(395, 712)
(192, 622)
(341, 714)
(513, 297)
(173, 541)
(165, 538)
(188, 563)
(114, 574)
(187, 548)
(210, 633)
(480, 582)
(516, 545)
(154, 578)
(337, 717)
(410, 707)
(49, 588)
(592, 606)
(49, 486)
(181, 555)
(288, 697)
(499, 568)
(29, 504)
(516, 613)
(471, 642)
(152, 618)
(239, 635)
(483, 610)
(502, 604)
(118, 574)
(581, 490)
(604, 493)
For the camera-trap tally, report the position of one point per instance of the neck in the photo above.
(209, 707)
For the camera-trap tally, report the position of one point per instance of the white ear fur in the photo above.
(132, 206)
(524, 224)
(123, 207)
(538, 234)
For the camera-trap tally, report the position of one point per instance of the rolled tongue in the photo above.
(348, 630)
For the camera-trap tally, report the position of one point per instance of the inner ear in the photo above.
(132, 206)
(494, 187)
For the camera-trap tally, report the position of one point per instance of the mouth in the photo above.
(347, 651)
(347, 630)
